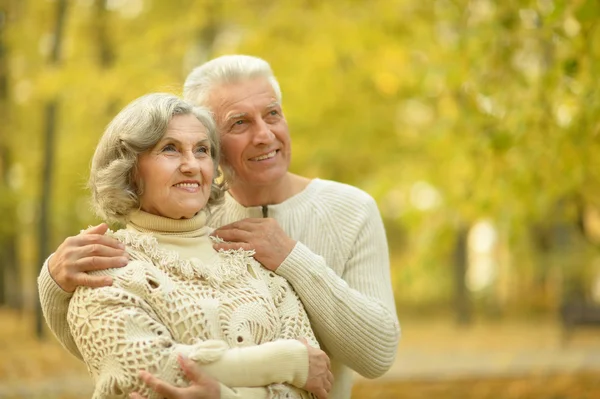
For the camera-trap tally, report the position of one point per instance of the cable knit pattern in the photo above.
(163, 304)
(339, 267)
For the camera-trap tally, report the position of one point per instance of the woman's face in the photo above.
(176, 175)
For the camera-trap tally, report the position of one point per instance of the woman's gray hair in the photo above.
(136, 129)
(224, 70)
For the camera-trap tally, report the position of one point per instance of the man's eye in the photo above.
(240, 122)
(273, 112)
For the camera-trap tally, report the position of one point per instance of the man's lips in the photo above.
(267, 155)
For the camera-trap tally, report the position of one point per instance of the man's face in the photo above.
(255, 140)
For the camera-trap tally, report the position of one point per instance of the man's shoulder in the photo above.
(341, 193)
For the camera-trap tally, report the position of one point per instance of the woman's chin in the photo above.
(188, 214)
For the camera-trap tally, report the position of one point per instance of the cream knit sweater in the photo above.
(339, 268)
(178, 295)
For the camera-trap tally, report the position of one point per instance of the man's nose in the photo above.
(263, 133)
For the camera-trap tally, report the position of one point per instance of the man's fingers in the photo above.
(234, 235)
(98, 229)
(247, 224)
(86, 280)
(91, 239)
(101, 263)
(321, 393)
(226, 246)
(101, 250)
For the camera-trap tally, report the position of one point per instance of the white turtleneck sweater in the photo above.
(177, 295)
(339, 267)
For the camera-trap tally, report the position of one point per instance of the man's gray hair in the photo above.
(136, 129)
(225, 70)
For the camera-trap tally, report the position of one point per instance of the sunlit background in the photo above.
(474, 124)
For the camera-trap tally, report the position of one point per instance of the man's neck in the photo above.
(272, 194)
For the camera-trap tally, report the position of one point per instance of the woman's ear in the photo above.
(135, 182)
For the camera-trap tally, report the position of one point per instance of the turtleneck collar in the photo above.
(147, 223)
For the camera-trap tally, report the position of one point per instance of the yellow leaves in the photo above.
(389, 66)
(447, 107)
(387, 83)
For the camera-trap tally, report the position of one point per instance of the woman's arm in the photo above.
(118, 334)
(68, 268)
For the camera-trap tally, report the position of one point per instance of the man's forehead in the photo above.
(242, 97)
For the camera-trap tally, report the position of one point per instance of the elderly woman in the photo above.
(154, 171)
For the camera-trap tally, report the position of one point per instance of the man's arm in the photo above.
(68, 268)
(354, 315)
(55, 305)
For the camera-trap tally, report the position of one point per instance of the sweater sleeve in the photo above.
(354, 314)
(55, 304)
(119, 334)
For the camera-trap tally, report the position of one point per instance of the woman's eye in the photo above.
(203, 150)
(169, 148)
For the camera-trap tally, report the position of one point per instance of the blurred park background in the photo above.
(474, 124)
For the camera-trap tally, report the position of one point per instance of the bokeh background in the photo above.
(473, 123)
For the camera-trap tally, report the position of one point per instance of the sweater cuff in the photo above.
(301, 264)
(50, 291)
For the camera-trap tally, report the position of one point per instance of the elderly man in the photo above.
(326, 238)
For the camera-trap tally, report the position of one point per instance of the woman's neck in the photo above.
(149, 223)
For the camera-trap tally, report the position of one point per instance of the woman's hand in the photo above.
(320, 378)
(88, 251)
(201, 385)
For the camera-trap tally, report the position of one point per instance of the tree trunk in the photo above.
(462, 304)
(51, 110)
(106, 54)
(9, 273)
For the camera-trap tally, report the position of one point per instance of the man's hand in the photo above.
(320, 377)
(201, 385)
(88, 251)
(264, 236)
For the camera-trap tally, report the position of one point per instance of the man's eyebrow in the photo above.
(236, 116)
(274, 104)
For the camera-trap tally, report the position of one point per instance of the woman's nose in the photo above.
(189, 164)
